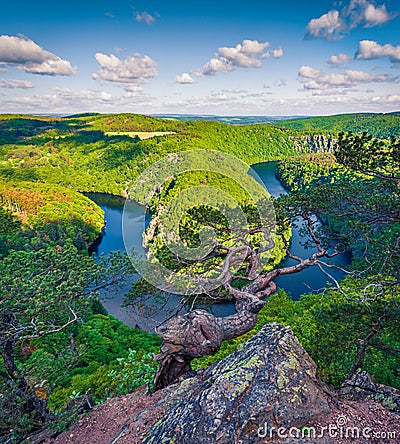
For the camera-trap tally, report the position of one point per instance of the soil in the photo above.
(113, 422)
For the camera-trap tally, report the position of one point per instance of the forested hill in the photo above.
(105, 152)
(60, 348)
(378, 125)
(46, 161)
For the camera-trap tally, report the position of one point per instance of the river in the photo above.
(308, 280)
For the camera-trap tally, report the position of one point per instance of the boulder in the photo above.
(361, 386)
(270, 381)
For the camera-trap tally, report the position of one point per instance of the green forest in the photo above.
(382, 126)
(61, 350)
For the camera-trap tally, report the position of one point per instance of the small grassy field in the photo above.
(141, 134)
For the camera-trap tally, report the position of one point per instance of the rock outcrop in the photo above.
(270, 381)
(361, 386)
(316, 143)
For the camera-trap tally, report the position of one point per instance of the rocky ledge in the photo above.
(267, 385)
(270, 380)
(362, 386)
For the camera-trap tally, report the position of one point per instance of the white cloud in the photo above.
(24, 84)
(327, 26)
(227, 100)
(328, 92)
(133, 88)
(234, 91)
(29, 56)
(215, 66)
(52, 67)
(368, 49)
(185, 78)
(245, 54)
(67, 101)
(83, 96)
(277, 53)
(145, 17)
(309, 72)
(248, 54)
(336, 104)
(280, 83)
(335, 23)
(314, 79)
(388, 99)
(248, 95)
(219, 97)
(374, 16)
(134, 69)
(339, 59)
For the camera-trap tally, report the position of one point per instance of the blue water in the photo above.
(311, 279)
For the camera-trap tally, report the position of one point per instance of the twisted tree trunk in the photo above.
(199, 333)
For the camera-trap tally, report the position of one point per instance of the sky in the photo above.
(275, 58)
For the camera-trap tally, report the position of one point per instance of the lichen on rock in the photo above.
(269, 380)
(361, 386)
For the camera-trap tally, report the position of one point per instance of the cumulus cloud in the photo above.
(132, 70)
(185, 78)
(327, 26)
(368, 49)
(314, 79)
(215, 66)
(133, 88)
(248, 54)
(335, 23)
(24, 84)
(29, 56)
(277, 53)
(374, 16)
(145, 17)
(339, 59)
(308, 72)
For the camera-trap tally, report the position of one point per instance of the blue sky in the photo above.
(250, 58)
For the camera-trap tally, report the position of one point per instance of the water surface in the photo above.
(149, 315)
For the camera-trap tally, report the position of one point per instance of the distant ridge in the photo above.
(381, 125)
(232, 120)
(74, 116)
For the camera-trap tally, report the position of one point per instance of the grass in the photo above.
(141, 134)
